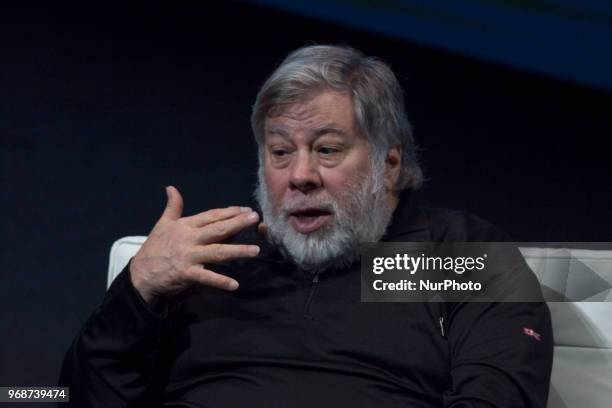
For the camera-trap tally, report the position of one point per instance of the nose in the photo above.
(304, 174)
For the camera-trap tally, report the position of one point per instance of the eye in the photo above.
(326, 150)
(279, 152)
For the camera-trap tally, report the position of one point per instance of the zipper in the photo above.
(441, 320)
(313, 289)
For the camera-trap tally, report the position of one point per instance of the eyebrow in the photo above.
(275, 130)
(323, 130)
(329, 129)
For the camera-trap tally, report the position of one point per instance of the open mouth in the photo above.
(309, 219)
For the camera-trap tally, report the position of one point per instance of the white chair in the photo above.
(582, 366)
(122, 250)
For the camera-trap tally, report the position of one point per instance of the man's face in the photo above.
(313, 150)
(319, 194)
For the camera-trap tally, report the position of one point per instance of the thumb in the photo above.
(262, 228)
(174, 205)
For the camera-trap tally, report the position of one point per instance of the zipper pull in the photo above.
(441, 320)
(311, 292)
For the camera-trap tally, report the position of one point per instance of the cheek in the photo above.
(349, 175)
(277, 183)
(340, 182)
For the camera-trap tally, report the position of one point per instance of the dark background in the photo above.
(100, 108)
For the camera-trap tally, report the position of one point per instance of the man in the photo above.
(212, 313)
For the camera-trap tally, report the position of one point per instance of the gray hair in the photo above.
(376, 94)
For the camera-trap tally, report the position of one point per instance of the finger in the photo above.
(215, 253)
(217, 214)
(262, 228)
(174, 205)
(199, 274)
(220, 230)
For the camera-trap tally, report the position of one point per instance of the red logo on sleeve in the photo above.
(532, 333)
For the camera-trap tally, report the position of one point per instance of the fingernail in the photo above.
(253, 216)
(254, 250)
(245, 209)
(233, 285)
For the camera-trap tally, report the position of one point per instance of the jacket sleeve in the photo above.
(500, 352)
(501, 355)
(112, 361)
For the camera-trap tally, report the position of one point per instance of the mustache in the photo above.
(309, 203)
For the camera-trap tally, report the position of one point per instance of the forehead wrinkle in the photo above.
(305, 109)
(321, 115)
(297, 111)
(276, 130)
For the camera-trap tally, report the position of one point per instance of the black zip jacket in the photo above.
(288, 339)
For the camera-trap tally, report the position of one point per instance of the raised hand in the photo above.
(180, 250)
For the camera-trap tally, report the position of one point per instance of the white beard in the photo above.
(362, 214)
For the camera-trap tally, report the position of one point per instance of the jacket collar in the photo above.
(409, 221)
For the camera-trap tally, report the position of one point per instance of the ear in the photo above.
(393, 165)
